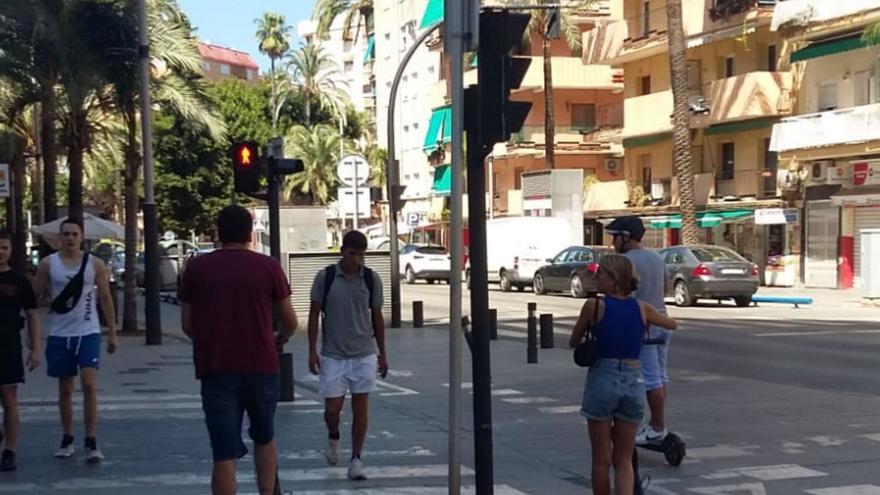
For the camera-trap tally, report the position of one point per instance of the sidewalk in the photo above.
(821, 297)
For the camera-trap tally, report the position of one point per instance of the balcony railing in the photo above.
(725, 9)
(747, 96)
(848, 125)
(804, 12)
(535, 133)
(645, 24)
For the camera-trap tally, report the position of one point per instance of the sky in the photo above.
(231, 22)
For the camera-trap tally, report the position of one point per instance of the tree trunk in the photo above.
(549, 130)
(274, 96)
(75, 150)
(19, 236)
(681, 133)
(50, 157)
(308, 109)
(132, 169)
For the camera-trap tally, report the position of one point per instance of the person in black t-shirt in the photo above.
(16, 296)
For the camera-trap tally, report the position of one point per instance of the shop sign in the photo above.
(865, 173)
(777, 216)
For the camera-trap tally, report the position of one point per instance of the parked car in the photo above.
(570, 271)
(712, 272)
(112, 253)
(171, 256)
(428, 262)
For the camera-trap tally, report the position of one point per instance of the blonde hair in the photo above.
(621, 268)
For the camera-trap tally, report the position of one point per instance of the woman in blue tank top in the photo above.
(614, 393)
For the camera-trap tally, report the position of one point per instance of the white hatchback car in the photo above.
(427, 262)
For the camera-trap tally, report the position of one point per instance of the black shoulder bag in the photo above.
(68, 298)
(587, 352)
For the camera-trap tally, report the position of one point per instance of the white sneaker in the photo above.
(332, 452)
(356, 470)
(650, 435)
(94, 456)
(66, 450)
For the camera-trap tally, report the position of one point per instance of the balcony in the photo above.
(835, 127)
(648, 114)
(801, 13)
(571, 73)
(564, 133)
(725, 9)
(439, 95)
(747, 96)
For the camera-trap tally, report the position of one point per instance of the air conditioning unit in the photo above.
(817, 172)
(838, 173)
(612, 165)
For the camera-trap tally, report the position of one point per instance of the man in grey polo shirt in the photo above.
(352, 317)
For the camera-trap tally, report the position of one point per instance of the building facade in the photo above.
(832, 146)
(220, 62)
(740, 85)
(351, 55)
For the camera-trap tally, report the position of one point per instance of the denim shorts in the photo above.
(225, 399)
(66, 355)
(614, 390)
(654, 360)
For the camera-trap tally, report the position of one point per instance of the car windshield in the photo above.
(432, 250)
(709, 255)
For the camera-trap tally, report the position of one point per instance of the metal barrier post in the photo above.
(546, 331)
(418, 314)
(493, 324)
(532, 341)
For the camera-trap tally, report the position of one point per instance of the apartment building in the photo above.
(397, 24)
(740, 85)
(832, 145)
(220, 62)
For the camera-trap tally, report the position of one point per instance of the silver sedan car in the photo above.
(710, 272)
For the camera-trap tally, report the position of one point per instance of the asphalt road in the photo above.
(770, 400)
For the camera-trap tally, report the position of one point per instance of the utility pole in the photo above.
(151, 223)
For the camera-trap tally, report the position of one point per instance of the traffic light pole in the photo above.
(151, 223)
(392, 175)
(274, 204)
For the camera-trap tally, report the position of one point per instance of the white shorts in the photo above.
(339, 376)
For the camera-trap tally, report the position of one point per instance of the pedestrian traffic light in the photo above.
(499, 72)
(246, 166)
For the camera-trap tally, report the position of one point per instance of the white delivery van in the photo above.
(518, 246)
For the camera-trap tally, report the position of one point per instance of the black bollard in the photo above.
(493, 324)
(418, 314)
(287, 394)
(532, 342)
(546, 331)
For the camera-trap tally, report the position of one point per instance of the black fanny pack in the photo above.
(68, 298)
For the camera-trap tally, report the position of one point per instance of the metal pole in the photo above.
(547, 331)
(151, 223)
(454, 47)
(393, 180)
(354, 222)
(532, 335)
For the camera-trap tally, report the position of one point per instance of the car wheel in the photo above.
(504, 282)
(410, 275)
(538, 285)
(577, 287)
(742, 301)
(682, 294)
(520, 287)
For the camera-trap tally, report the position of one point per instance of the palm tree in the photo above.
(538, 27)
(681, 133)
(31, 43)
(175, 86)
(326, 11)
(316, 75)
(17, 138)
(273, 35)
(318, 148)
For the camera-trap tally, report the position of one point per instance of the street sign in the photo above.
(346, 200)
(776, 216)
(412, 219)
(351, 167)
(5, 188)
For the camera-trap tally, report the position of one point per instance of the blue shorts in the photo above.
(65, 355)
(614, 390)
(654, 359)
(225, 399)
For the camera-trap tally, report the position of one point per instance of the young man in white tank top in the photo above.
(74, 342)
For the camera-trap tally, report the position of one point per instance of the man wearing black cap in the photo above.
(651, 271)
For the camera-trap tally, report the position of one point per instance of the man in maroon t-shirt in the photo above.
(228, 297)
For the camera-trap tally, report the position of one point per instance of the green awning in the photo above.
(370, 54)
(830, 47)
(475, 62)
(705, 219)
(635, 142)
(433, 14)
(442, 179)
(439, 128)
(741, 126)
